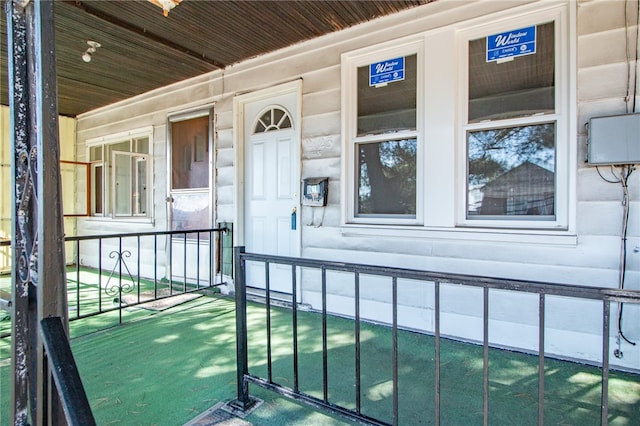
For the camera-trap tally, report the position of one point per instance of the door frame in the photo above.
(180, 115)
(239, 103)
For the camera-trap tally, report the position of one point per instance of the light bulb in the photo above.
(86, 56)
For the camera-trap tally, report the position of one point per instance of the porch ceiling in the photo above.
(142, 50)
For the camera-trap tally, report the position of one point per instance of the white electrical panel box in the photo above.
(614, 140)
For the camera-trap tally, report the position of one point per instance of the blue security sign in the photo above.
(386, 71)
(511, 44)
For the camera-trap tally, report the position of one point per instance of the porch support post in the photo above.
(38, 272)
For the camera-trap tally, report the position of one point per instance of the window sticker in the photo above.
(382, 73)
(505, 46)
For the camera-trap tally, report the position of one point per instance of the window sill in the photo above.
(131, 220)
(519, 236)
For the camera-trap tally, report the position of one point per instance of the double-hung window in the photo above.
(514, 129)
(120, 176)
(382, 135)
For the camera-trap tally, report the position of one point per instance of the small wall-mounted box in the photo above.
(315, 191)
(614, 140)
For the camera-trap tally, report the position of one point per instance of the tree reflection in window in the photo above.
(387, 178)
(512, 171)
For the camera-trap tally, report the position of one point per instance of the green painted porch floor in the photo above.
(166, 368)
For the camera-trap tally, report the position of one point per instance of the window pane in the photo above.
(141, 145)
(190, 153)
(274, 119)
(388, 108)
(512, 172)
(140, 188)
(98, 194)
(387, 178)
(95, 153)
(190, 211)
(515, 88)
(123, 183)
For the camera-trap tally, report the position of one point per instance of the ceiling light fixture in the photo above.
(166, 5)
(93, 45)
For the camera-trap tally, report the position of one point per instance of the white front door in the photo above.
(272, 181)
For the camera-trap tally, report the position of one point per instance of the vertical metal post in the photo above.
(244, 401)
(170, 265)
(78, 278)
(541, 326)
(394, 321)
(39, 284)
(485, 357)
(155, 266)
(358, 348)
(436, 313)
(294, 319)
(267, 290)
(138, 265)
(325, 364)
(213, 249)
(184, 263)
(220, 256)
(119, 280)
(604, 410)
(100, 274)
(198, 260)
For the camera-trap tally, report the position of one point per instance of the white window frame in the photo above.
(134, 159)
(108, 184)
(565, 166)
(442, 102)
(350, 63)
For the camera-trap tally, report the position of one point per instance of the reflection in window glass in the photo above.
(511, 172)
(387, 178)
(388, 108)
(190, 211)
(520, 87)
(190, 153)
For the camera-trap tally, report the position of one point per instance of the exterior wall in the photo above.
(586, 254)
(67, 152)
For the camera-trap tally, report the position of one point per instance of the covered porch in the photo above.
(432, 338)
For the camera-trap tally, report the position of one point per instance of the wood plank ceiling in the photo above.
(142, 50)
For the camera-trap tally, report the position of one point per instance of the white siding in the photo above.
(589, 255)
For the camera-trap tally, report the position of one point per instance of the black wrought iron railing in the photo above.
(64, 372)
(394, 277)
(116, 272)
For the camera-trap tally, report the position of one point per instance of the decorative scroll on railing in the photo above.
(142, 268)
(123, 284)
(120, 271)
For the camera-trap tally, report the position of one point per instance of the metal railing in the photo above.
(119, 271)
(66, 378)
(244, 401)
